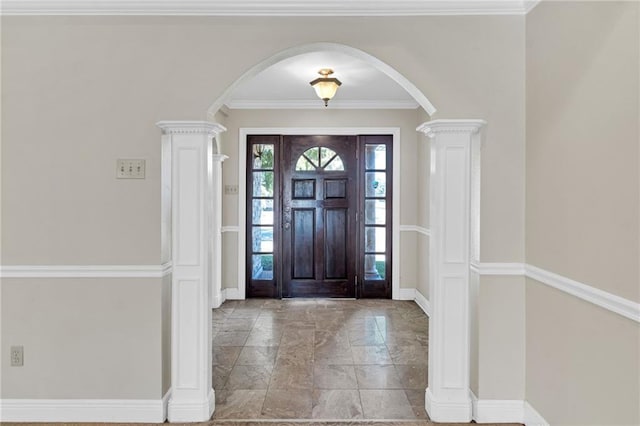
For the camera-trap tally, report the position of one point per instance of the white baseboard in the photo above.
(191, 411)
(531, 417)
(423, 303)
(448, 411)
(406, 294)
(505, 411)
(232, 294)
(218, 299)
(497, 411)
(85, 410)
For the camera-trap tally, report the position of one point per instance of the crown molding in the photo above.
(277, 104)
(268, 8)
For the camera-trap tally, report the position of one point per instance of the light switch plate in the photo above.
(231, 189)
(130, 168)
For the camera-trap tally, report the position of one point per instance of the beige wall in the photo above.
(80, 92)
(83, 338)
(582, 217)
(501, 338)
(582, 143)
(582, 361)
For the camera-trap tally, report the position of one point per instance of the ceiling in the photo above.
(286, 85)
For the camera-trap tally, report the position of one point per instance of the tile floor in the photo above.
(320, 359)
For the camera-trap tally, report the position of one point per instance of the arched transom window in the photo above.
(319, 158)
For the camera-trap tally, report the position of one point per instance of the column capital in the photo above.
(191, 127)
(434, 127)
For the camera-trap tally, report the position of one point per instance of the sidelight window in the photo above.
(376, 226)
(262, 192)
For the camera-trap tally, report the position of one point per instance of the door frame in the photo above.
(242, 191)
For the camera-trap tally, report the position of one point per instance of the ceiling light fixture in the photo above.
(325, 86)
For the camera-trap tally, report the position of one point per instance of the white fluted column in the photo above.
(455, 147)
(191, 148)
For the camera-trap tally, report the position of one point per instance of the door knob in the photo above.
(287, 225)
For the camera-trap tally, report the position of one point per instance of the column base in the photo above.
(181, 410)
(448, 411)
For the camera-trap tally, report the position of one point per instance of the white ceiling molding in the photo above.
(318, 104)
(268, 8)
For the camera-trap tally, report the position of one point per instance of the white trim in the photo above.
(268, 8)
(497, 410)
(230, 228)
(84, 410)
(232, 294)
(485, 268)
(423, 302)
(415, 228)
(316, 104)
(405, 294)
(531, 417)
(165, 404)
(185, 410)
(242, 188)
(611, 302)
(447, 411)
(86, 271)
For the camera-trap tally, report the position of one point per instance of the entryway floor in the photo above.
(320, 359)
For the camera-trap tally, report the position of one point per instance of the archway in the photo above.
(192, 187)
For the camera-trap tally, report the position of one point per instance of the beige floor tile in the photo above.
(257, 355)
(334, 377)
(288, 375)
(295, 355)
(410, 355)
(386, 404)
(321, 359)
(370, 355)
(377, 377)
(287, 404)
(230, 338)
(412, 376)
(225, 355)
(336, 404)
(239, 404)
(249, 377)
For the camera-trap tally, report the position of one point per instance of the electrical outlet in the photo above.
(231, 190)
(130, 168)
(17, 356)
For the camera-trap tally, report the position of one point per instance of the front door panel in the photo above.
(319, 199)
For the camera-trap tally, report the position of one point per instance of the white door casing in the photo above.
(455, 154)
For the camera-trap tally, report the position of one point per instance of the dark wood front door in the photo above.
(319, 216)
(319, 205)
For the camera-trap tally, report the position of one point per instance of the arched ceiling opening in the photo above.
(282, 81)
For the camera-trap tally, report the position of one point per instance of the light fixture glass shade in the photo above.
(326, 87)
